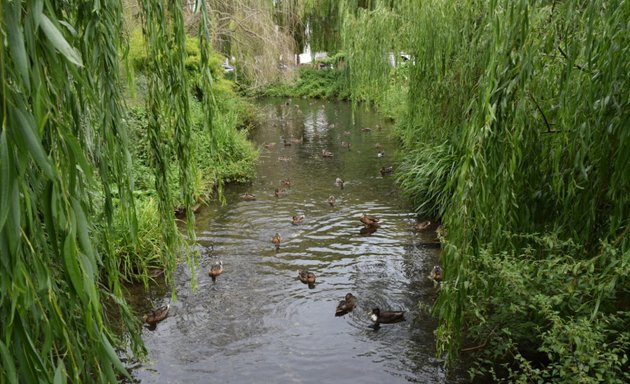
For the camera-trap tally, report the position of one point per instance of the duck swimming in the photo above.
(248, 196)
(369, 220)
(339, 182)
(297, 219)
(346, 305)
(436, 274)
(276, 240)
(386, 317)
(332, 200)
(216, 270)
(386, 170)
(156, 315)
(307, 278)
(424, 225)
(280, 192)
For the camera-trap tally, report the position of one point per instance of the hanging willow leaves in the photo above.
(63, 111)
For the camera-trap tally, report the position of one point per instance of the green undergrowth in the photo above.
(219, 155)
(310, 82)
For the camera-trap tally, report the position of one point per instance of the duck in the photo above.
(436, 274)
(326, 153)
(276, 240)
(386, 317)
(332, 200)
(286, 183)
(280, 192)
(216, 270)
(339, 182)
(423, 225)
(248, 196)
(369, 220)
(156, 315)
(346, 305)
(386, 170)
(380, 154)
(297, 219)
(307, 278)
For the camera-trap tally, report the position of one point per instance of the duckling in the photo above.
(297, 219)
(332, 200)
(386, 317)
(386, 170)
(156, 315)
(380, 154)
(346, 305)
(436, 274)
(276, 240)
(280, 192)
(216, 270)
(326, 153)
(339, 182)
(369, 220)
(424, 225)
(248, 197)
(307, 278)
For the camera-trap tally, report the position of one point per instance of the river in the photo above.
(258, 322)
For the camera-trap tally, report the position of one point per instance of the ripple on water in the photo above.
(258, 322)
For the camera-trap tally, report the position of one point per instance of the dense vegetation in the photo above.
(89, 180)
(516, 126)
(513, 115)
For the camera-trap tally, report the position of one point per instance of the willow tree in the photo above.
(516, 137)
(64, 171)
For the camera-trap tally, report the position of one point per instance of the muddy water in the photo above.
(258, 322)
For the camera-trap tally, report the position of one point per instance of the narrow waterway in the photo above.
(258, 322)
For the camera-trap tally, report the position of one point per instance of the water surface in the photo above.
(258, 323)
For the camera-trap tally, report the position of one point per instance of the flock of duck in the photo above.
(346, 305)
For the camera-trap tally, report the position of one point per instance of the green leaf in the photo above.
(5, 179)
(72, 265)
(33, 143)
(59, 42)
(16, 39)
(8, 364)
(113, 357)
(60, 373)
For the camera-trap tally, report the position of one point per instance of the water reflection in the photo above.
(259, 322)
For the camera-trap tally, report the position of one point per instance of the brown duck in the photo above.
(156, 315)
(339, 182)
(369, 220)
(297, 219)
(346, 305)
(424, 225)
(248, 196)
(332, 200)
(216, 270)
(386, 317)
(386, 170)
(307, 278)
(276, 240)
(436, 274)
(280, 192)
